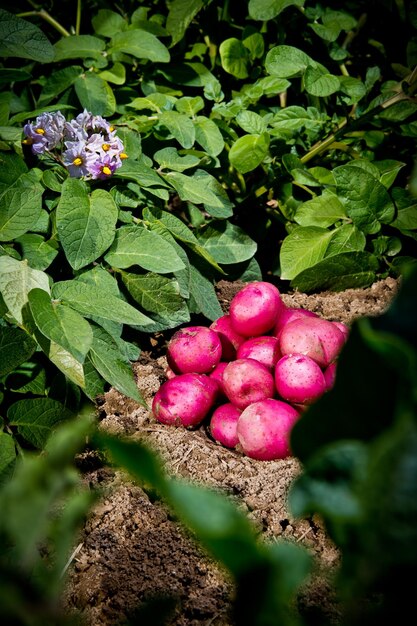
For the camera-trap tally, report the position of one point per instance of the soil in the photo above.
(133, 551)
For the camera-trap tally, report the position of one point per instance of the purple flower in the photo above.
(102, 168)
(46, 132)
(76, 129)
(77, 159)
(98, 123)
(92, 150)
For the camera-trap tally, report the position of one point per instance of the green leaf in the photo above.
(346, 238)
(366, 200)
(106, 358)
(95, 94)
(140, 173)
(249, 151)
(61, 324)
(140, 44)
(303, 248)
(16, 347)
(7, 456)
(406, 218)
(251, 122)
(19, 38)
(9, 75)
(57, 82)
(16, 280)
(181, 232)
(30, 378)
(268, 9)
(388, 170)
(91, 301)
(189, 106)
(107, 23)
(86, 223)
(79, 47)
(11, 167)
(170, 159)
(348, 270)
(181, 14)
(203, 294)
(227, 243)
(286, 61)
(234, 58)
(180, 126)
(190, 188)
(214, 186)
(208, 135)
(135, 245)
(322, 211)
(353, 87)
(115, 74)
(36, 418)
(318, 82)
(38, 252)
(20, 206)
(160, 296)
(94, 384)
(65, 362)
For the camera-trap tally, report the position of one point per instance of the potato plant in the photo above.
(246, 140)
(147, 152)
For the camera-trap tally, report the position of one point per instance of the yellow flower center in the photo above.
(28, 141)
(106, 147)
(40, 131)
(77, 161)
(111, 129)
(123, 155)
(106, 170)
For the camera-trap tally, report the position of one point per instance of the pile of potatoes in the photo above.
(251, 373)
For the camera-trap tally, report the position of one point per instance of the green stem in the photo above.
(347, 126)
(48, 18)
(78, 19)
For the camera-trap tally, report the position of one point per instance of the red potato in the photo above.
(184, 400)
(315, 337)
(288, 314)
(246, 381)
(217, 375)
(223, 424)
(344, 328)
(255, 308)
(229, 338)
(330, 375)
(194, 349)
(264, 428)
(299, 379)
(264, 349)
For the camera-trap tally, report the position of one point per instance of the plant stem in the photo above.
(346, 126)
(48, 18)
(78, 18)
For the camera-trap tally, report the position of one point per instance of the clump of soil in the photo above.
(132, 551)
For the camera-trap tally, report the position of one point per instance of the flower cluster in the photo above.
(87, 145)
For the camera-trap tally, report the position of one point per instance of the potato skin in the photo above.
(184, 400)
(264, 429)
(255, 308)
(194, 350)
(246, 381)
(299, 379)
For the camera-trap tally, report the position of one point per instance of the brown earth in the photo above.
(132, 549)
